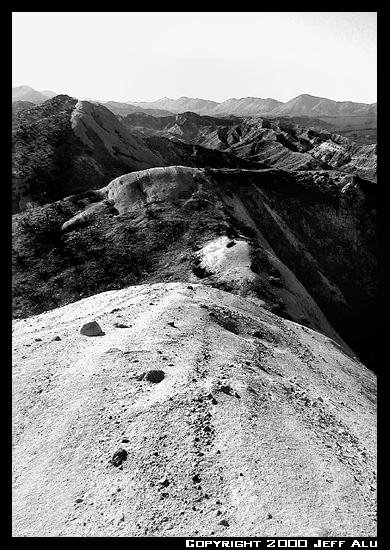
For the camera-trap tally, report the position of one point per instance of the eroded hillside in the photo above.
(280, 143)
(236, 229)
(67, 146)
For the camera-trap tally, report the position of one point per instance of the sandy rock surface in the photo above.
(259, 427)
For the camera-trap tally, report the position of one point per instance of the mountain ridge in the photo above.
(303, 104)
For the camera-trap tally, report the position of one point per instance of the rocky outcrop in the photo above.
(259, 426)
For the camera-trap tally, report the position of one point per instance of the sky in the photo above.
(136, 56)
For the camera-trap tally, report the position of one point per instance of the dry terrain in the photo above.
(259, 427)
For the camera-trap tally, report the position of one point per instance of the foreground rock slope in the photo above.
(259, 426)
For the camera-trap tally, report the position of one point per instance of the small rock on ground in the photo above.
(118, 457)
(91, 329)
(155, 376)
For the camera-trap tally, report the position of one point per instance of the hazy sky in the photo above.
(144, 56)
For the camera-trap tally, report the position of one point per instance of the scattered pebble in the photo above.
(121, 325)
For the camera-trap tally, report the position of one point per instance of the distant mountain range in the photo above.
(302, 105)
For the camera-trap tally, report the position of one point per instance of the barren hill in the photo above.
(256, 426)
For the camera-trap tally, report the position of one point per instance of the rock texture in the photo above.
(178, 223)
(260, 426)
